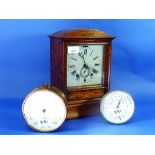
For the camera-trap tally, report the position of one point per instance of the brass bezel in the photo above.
(46, 87)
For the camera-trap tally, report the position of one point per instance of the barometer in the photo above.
(44, 109)
(117, 106)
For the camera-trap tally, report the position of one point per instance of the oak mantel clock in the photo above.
(80, 67)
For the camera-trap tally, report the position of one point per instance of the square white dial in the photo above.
(84, 64)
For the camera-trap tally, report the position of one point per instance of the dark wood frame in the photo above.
(84, 100)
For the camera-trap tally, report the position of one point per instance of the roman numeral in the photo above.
(73, 73)
(91, 75)
(77, 76)
(95, 58)
(91, 52)
(74, 59)
(95, 71)
(80, 54)
(71, 66)
(96, 64)
(85, 51)
(84, 80)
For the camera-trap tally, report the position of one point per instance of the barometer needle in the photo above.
(119, 102)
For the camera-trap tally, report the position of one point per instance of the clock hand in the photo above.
(82, 56)
(119, 102)
(86, 66)
(83, 59)
(94, 70)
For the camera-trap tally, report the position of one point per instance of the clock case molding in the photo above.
(83, 100)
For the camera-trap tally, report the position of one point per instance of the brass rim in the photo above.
(51, 89)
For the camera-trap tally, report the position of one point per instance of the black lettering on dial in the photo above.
(77, 76)
(85, 51)
(96, 64)
(73, 72)
(95, 71)
(74, 59)
(95, 58)
(71, 66)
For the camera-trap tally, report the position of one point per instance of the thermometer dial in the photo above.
(44, 109)
(117, 107)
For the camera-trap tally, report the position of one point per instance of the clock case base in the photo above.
(85, 100)
(83, 108)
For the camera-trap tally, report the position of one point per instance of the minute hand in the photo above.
(83, 59)
(85, 65)
(94, 70)
(82, 56)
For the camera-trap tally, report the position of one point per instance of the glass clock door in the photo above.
(84, 64)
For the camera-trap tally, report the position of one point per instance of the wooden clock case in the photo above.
(83, 100)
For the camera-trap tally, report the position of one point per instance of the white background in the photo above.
(80, 9)
(77, 9)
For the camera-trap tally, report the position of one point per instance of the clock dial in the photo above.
(117, 107)
(84, 65)
(44, 110)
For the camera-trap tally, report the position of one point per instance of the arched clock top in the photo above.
(81, 33)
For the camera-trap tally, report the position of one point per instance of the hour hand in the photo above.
(89, 68)
(93, 70)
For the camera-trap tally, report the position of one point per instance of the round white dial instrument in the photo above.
(117, 107)
(44, 109)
